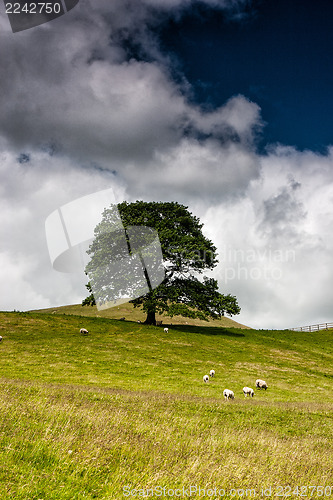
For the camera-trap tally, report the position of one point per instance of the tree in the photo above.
(186, 254)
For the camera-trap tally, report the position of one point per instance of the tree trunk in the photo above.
(150, 319)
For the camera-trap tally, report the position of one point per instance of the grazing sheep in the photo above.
(205, 378)
(84, 331)
(212, 373)
(261, 384)
(122, 319)
(248, 391)
(0, 338)
(166, 330)
(228, 394)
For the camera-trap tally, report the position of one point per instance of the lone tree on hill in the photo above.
(186, 253)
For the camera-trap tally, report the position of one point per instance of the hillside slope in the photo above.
(125, 354)
(124, 409)
(131, 313)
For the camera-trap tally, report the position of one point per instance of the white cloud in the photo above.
(17, 291)
(29, 193)
(275, 243)
(239, 119)
(193, 169)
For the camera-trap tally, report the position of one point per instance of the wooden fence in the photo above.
(313, 328)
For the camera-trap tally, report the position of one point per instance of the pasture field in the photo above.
(127, 311)
(124, 413)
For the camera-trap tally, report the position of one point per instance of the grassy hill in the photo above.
(125, 409)
(131, 313)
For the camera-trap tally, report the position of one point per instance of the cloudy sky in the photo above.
(223, 105)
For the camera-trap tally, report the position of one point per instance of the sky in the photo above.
(222, 105)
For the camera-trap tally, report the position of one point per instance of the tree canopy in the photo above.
(186, 254)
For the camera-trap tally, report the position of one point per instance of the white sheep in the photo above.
(248, 391)
(228, 394)
(205, 378)
(166, 330)
(212, 373)
(84, 331)
(261, 384)
(1, 338)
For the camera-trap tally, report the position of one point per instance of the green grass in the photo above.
(131, 313)
(81, 417)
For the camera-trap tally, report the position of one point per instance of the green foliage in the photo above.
(184, 246)
(186, 254)
(90, 300)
